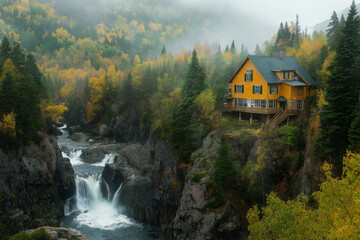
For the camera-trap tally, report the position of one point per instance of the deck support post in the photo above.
(239, 116)
(288, 120)
(267, 118)
(251, 118)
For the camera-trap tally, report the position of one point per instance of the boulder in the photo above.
(61, 233)
(96, 154)
(105, 131)
(74, 129)
(79, 137)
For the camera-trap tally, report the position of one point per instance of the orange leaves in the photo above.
(55, 112)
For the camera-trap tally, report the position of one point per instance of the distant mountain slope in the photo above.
(324, 25)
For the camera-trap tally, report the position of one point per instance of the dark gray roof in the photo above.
(266, 65)
(295, 83)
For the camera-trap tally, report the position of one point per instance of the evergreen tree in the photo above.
(257, 50)
(333, 30)
(342, 21)
(232, 48)
(354, 133)
(128, 93)
(287, 33)
(5, 50)
(341, 95)
(195, 79)
(18, 57)
(183, 121)
(163, 51)
(31, 69)
(8, 94)
(227, 48)
(280, 34)
(297, 33)
(148, 82)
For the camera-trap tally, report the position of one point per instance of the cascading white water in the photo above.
(108, 159)
(74, 156)
(96, 211)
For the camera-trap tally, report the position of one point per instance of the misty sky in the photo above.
(252, 22)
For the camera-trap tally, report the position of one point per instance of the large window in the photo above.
(257, 103)
(300, 104)
(263, 103)
(257, 89)
(239, 88)
(286, 75)
(272, 104)
(273, 89)
(249, 75)
(240, 102)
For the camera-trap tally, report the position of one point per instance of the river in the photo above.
(93, 211)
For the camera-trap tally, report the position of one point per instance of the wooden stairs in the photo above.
(278, 118)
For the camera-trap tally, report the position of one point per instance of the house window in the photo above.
(257, 89)
(272, 104)
(240, 102)
(252, 103)
(299, 104)
(257, 103)
(273, 89)
(263, 103)
(286, 75)
(300, 90)
(239, 88)
(229, 90)
(249, 75)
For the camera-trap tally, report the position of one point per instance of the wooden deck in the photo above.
(251, 110)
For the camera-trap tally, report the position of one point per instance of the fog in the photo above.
(245, 22)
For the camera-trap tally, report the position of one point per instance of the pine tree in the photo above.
(128, 93)
(280, 34)
(163, 51)
(341, 95)
(257, 50)
(297, 32)
(18, 57)
(354, 132)
(5, 50)
(333, 30)
(287, 33)
(227, 48)
(195, 79)
(232, 48)
(183, 121)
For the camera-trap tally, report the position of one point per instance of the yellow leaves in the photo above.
(8, 125)
(137, 60)
(55, 112)
(141, 29)
(337, 215)
(155, 27)
(63, 36)
(134, 23)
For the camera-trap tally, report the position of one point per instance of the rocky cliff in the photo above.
(35, 180)
(150, 178)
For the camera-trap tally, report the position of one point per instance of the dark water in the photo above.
(89, 211)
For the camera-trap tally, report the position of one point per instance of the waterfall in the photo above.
(95, 210)
(116, 196)
(108, 159)
(74, 156)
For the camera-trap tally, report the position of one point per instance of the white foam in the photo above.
(74, 156)
(108, 159)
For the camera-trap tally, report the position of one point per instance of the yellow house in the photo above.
(269, 89)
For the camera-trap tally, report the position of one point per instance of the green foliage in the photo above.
(341, 93)
(183, 120)
(3, 232)
(197, 177)
(354, 133)
(336, 217)
(39, 234)
(21, 236)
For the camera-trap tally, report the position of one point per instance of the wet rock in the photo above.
(96, 154)
(58, 233)
(113, 177)
(79, 137)
(74, 129)
(105, 131)
(35, 181)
